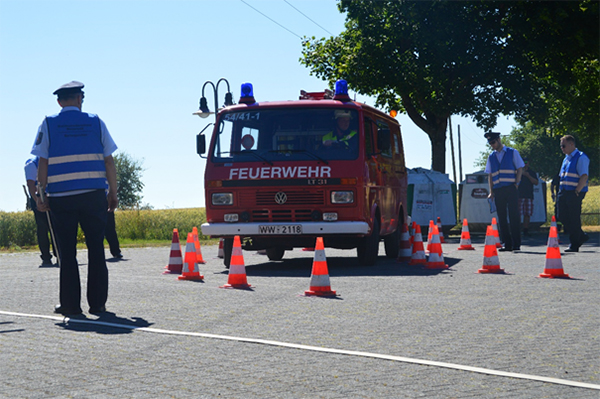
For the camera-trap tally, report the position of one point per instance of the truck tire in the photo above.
(391, 244)
(275, 253)
(368, 249)
(227, 250)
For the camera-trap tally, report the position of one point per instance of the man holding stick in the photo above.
(75, 163)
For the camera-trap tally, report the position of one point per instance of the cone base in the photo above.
(319, 293)
(496, 271)
(169, 271)
(546, 275)
(436, 266)
(466, 248)
(194, 278)
(200, 262)
(417, 262)
(236, 286)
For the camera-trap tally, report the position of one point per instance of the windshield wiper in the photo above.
(315, 156)
(252, 153)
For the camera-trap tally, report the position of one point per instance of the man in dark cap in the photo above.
(75, 164)
(504, 167)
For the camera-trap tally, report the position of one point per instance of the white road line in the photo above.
(317, 349)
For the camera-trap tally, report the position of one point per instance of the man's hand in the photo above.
(113, 201)
(42, 206)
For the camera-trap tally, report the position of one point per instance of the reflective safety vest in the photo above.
(569, 178)
(76, 153)
(503, 173)
(344, 139)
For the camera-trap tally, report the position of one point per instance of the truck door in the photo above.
(388, 176)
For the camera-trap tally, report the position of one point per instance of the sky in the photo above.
(144, 63)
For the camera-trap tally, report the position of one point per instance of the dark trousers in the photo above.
(569, 213)
(89, 211)
(507, 204)
(111, 234)
(43, 231)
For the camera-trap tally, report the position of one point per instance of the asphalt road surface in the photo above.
(393, 331)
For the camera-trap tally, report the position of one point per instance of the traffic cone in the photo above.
(190, 269)
(237, 269)
(429, 233)
(553, 267)
(220, 252)
(319, 279)
(418, 254)
(175, 265)
(465, 237)
(496, 234)
(491, 263)
(197, 246)
(436, 257)
(553, 223)
(439, 226)
(405, 252)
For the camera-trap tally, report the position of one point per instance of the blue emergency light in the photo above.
(341, 90)
(247, 95)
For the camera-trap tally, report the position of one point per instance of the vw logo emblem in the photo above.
(280, 198)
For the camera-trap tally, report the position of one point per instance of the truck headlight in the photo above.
(342, 197)
(222, 199)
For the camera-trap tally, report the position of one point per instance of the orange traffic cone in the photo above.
(429, 233)
(405, 252)
(436, 257)
(220, 252)
(439, 225)
(418, 253)
(553, 267)
(491, 263)
(190, 269)
(175, 265)
(319, 279)
(465, 237)
(197, 246)
(553, 223)
(496, 234)
(237, 269)
(413, 230)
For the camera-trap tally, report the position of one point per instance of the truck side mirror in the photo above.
(200, 144)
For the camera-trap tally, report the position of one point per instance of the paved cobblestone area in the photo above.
(515, 322)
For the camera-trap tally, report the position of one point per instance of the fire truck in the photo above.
(280, 174)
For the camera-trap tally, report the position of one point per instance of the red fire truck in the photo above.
(280, 174)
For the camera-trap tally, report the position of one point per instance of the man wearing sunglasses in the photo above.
(505, 167)
(573, 186)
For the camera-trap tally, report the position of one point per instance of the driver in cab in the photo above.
(341, 137)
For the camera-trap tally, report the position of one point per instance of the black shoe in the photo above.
(47, 263)
(516, 248)
(66, 311)
(98, 310)
(572, 249)
(505, 249)
(118, 256)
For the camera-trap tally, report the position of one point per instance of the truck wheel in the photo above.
(391, 243)
(227, 250)
(368, 249)
(275, 253)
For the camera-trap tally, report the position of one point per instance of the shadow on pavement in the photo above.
(106, 323)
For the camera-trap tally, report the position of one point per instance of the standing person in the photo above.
(573, 186)
(111, 236)
(41, 220)
(75, 165)
(504, 167)
(528, 180)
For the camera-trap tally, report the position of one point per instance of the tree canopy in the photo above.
(129, 180)
(480, 59)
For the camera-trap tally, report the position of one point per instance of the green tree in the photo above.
(433, 59)
(129, 180)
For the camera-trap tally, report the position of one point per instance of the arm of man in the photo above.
(518, 178)
(491, 184)
(111, 176)
(42, 178)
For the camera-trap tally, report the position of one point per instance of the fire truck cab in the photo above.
(280, 174)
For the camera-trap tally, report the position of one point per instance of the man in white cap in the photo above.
(505, 167)
(75, 164)
(343, 134)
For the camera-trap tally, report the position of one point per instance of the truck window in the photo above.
(368, 126)
(279, 134)
(384, 144)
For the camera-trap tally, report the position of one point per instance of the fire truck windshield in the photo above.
(276, 134)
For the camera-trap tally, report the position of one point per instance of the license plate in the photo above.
(284, 229)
